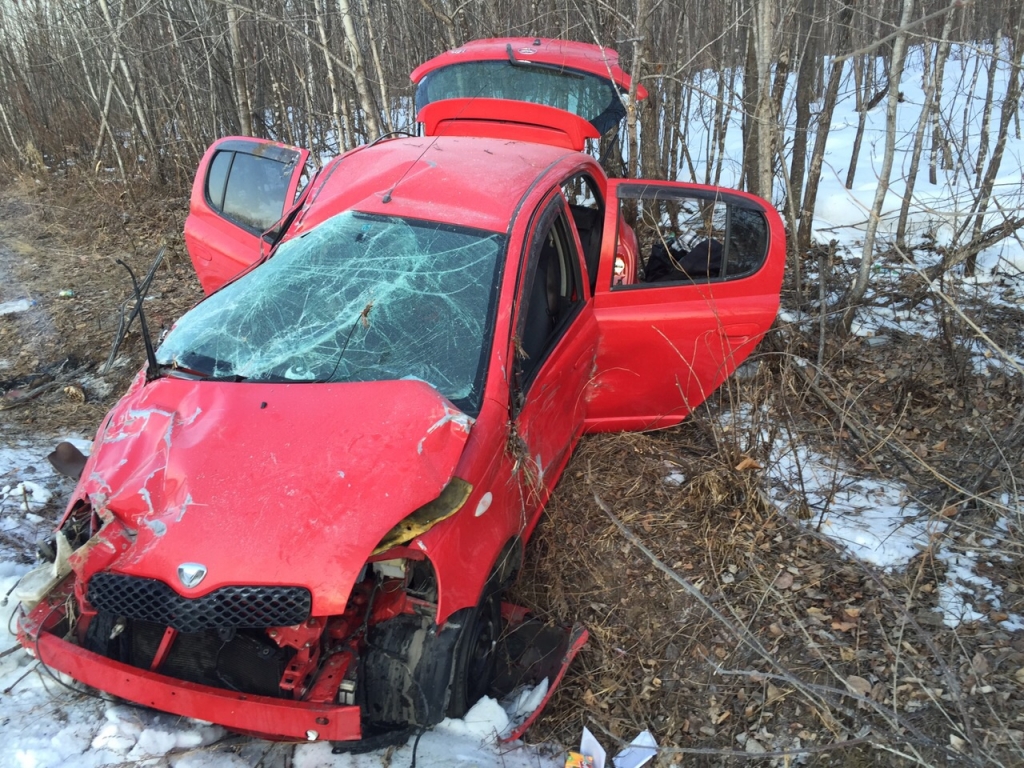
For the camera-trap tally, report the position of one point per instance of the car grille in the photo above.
(241, 607)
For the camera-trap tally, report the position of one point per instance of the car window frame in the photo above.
(545, 216)
(715, 195)
(286, 156)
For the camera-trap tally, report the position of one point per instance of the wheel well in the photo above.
(506, 566)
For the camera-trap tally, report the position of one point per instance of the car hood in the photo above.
(283, 484)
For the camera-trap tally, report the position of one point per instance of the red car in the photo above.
(300, 519)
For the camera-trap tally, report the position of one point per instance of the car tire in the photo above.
(476, 654)
(405, 673)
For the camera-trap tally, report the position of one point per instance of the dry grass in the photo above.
(789, 643)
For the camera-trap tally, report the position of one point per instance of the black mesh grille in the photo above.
(242, 607)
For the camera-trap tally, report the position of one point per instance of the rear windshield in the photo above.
(358, 298)
(593, 98)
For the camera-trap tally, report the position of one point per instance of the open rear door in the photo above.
(579, 78)
(242, 188)
(705, 290)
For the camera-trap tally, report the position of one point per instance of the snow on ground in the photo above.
(875, 520)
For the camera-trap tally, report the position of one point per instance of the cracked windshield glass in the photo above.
(358, 298)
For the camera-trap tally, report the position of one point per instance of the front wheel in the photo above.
(476, 655)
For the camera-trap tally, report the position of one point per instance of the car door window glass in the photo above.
(256, 190)
(587, 211)
(687, 236)
(552, 291)
(248, 189)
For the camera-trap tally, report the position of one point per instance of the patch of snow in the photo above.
(18, 305)
(874, 521)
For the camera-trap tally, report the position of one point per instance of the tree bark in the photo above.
(823, 125)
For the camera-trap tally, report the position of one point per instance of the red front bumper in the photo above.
(258, 715)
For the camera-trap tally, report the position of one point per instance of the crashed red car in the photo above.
(300, 520)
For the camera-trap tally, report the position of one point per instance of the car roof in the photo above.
(463, 180)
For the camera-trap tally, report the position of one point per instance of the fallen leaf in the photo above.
(784, 580)
(980, 664)
(747, 463)
(844, 626)
(774, 694)
(858, 684)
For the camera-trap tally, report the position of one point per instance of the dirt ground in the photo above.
(731, 630)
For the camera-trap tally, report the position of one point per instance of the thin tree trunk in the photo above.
(369, 111)
(986, 115)
(632, 116)
(751, 89)
(382, 80)
(148, 134)
(726, 118)
(860, 89)
(1007, 111)
(340, 124)
(930, 89)
(242, 104)
(899, 52)
(823, 125)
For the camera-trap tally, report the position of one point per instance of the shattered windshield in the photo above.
(358, 298)
(593, 98)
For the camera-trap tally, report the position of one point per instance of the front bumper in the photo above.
(272, 718)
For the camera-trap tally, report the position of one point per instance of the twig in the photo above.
(28, 671)
(22, 399)
(9, 651)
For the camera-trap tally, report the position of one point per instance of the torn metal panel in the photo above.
(426, 517)
(211, 462)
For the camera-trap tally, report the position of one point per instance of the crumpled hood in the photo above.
(269, 484)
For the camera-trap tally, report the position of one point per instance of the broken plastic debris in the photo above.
(640, 751)
(590, 747)
(38, 582)
(675, 478)
(522, 703)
